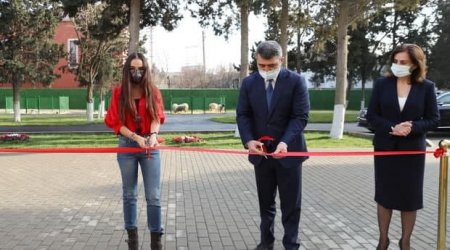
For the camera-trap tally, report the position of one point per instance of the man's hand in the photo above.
(256, 147)
(281, 148)
(402, 129)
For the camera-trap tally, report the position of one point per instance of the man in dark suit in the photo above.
(274, 102)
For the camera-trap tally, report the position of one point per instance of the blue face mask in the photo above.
(269, 75)
(400, 70)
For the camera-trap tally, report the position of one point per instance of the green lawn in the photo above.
(223, 140)
(315, 116)
(46, 119)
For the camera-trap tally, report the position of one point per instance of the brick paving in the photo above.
(73, 201)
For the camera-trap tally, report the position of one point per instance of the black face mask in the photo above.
(136, 75)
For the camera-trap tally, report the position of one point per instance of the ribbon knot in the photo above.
(439, 152)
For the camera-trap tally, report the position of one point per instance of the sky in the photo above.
(183, 46)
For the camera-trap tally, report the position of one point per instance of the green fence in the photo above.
(197, 99)
(33, 104)
(73, 98)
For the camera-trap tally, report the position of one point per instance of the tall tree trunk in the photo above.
(244, 47)
(283, 29)
(16, 100)
(363, 85)
(298, 63)
(244, 40)
(348, 91)
(337, 127)
(101, 105)
(90, 103)
(135, 11)
(394, 29)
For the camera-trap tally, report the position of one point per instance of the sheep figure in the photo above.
(214, 107)
(183, 107)
(221, 108)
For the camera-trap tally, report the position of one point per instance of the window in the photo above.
(444, 99)
(73, 53)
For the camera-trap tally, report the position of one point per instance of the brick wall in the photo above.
(63, 33)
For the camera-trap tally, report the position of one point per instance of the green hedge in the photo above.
(197, 98)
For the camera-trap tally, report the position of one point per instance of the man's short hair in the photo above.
(268, 49)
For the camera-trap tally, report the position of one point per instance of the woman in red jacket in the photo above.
(135, 114)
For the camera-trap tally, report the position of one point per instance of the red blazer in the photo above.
(112, 117)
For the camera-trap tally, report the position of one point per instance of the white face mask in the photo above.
(400, 70)
(269, 75)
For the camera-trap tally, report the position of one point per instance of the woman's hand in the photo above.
(141, 141)
(402, 129)
(152, 141)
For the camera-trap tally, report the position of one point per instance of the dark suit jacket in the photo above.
(284, 121)
(384, 113)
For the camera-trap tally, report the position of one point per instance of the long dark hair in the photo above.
(126, 103)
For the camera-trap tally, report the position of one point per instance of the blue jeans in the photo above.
(151, 172)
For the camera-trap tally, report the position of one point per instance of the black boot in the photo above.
(156, 241)
(133, 239)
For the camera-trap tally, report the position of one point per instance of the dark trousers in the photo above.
(270, 174)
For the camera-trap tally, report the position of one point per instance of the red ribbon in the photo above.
(221, 151)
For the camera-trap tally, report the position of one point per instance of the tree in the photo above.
(109, 73)
(277, 13)
(346, 13)
(362, 60)
(135, 14)
(284, 19)
(223, 15)
(372, 40)
(135, 9)
(27, 51)
(101, 53)
(315, 47)
(439, 69)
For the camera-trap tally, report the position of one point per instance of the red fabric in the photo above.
(439, 152)
(112, 119)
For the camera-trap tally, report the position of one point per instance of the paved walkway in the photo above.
(67, 201)
(173, 123)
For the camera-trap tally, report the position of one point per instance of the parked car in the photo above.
(362, 120)
(443, 101)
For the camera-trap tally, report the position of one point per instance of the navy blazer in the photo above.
(384, 113)
(284, 121)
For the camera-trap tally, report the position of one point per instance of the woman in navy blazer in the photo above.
(402, 109)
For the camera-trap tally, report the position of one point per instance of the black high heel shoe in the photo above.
(387, 245)
(400, 243)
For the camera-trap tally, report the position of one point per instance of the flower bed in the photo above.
(187, 139)
(15, 137)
